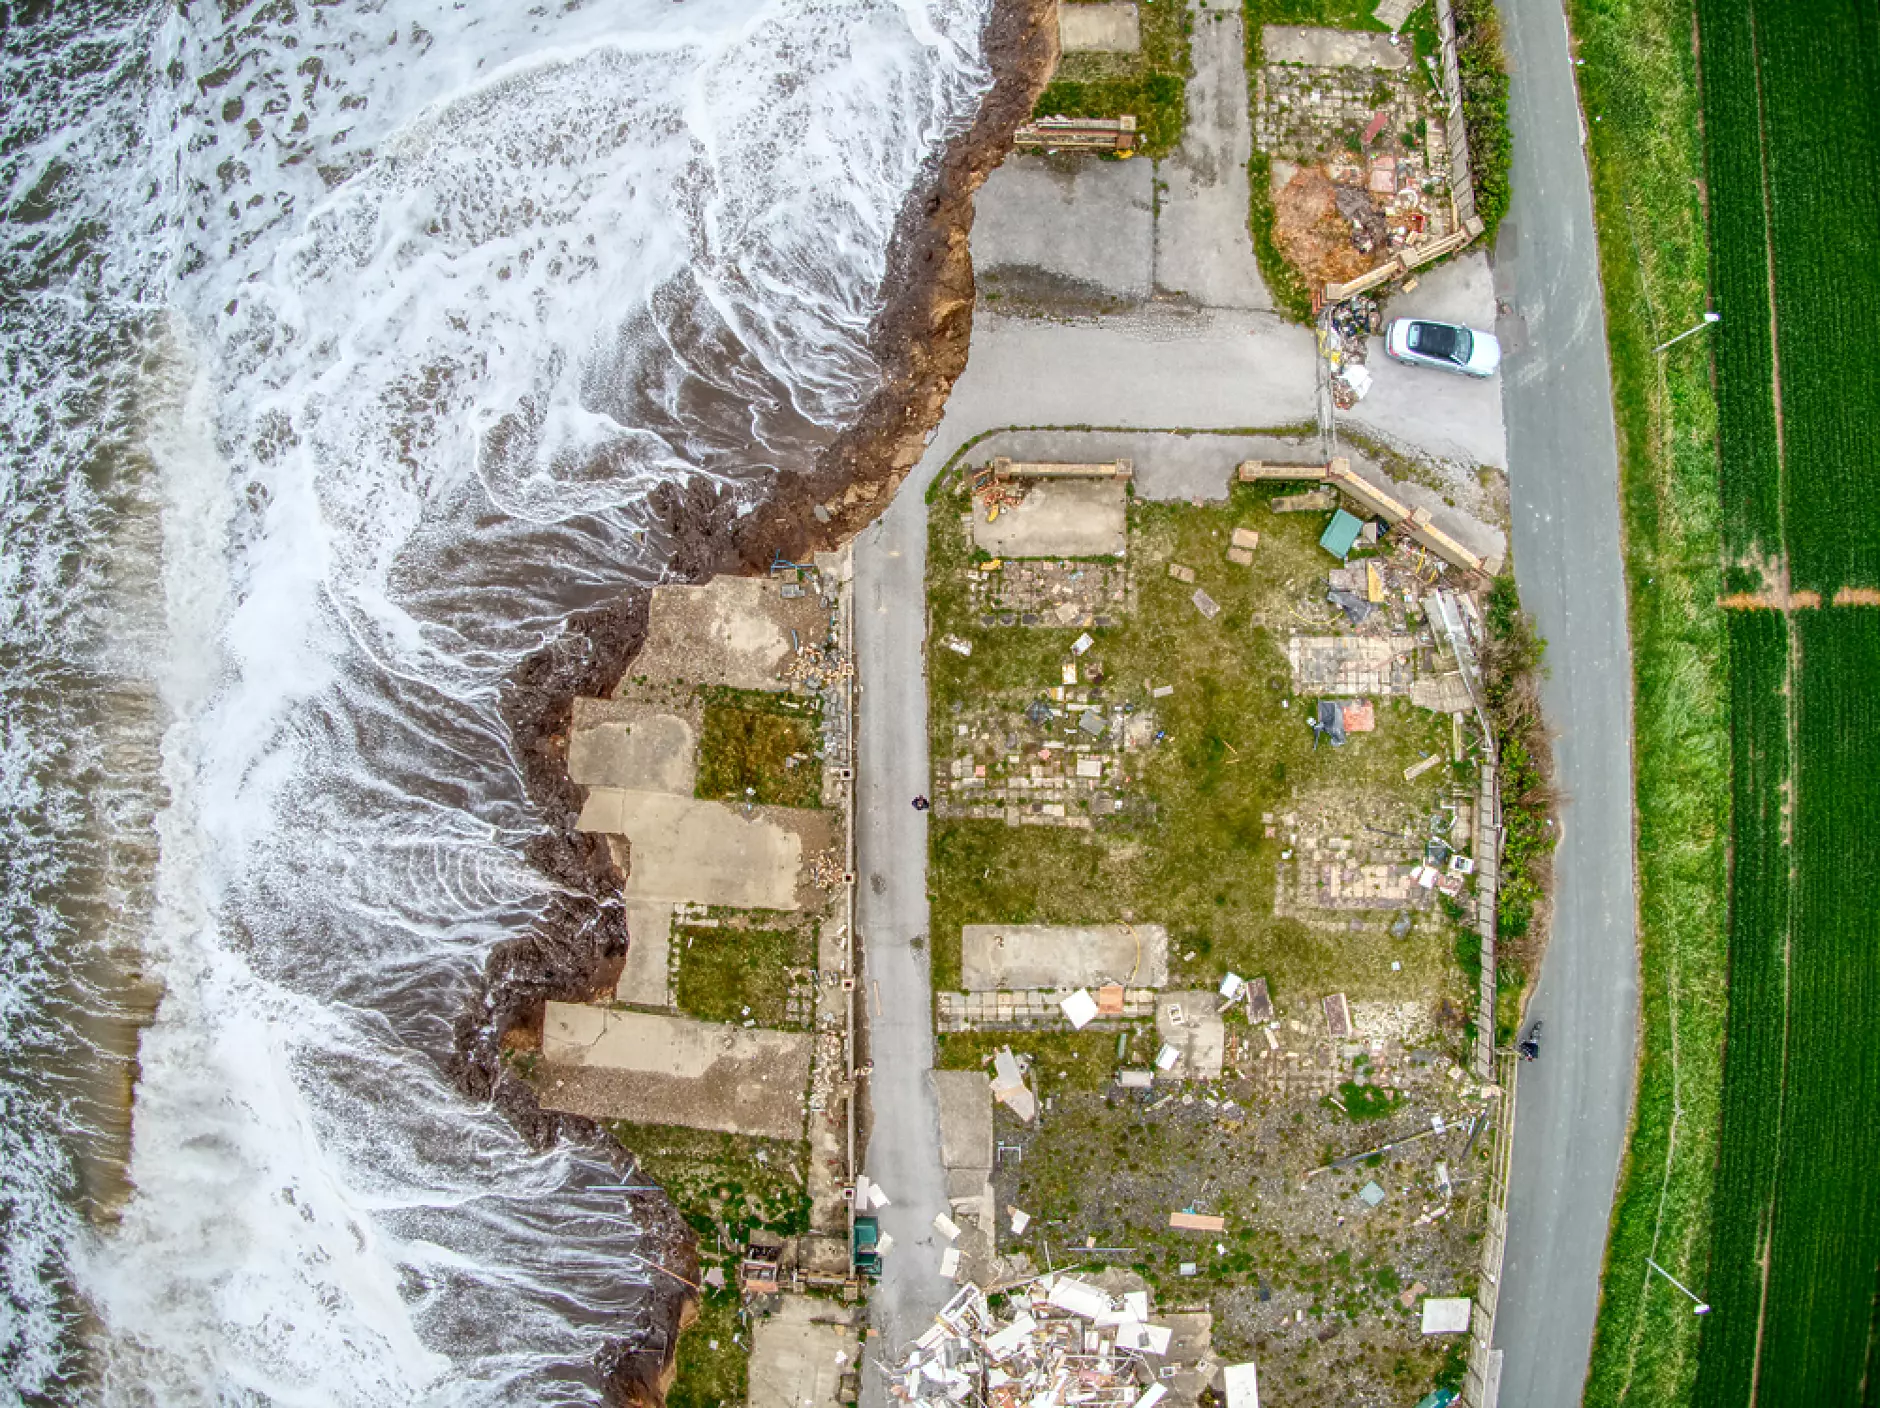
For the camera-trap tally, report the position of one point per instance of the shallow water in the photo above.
(344, 345)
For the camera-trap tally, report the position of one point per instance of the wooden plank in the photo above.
(1253, 471)
(1196, 1222)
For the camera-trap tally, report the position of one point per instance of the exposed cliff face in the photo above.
(920, 338)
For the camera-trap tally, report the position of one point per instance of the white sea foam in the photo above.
(398, 315)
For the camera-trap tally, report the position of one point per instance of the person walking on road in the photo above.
(921, 804)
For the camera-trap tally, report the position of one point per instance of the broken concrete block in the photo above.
(1206, 604)
(1180, 573)
(1240, 557)
(1246, 538)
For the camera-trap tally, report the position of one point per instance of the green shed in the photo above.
(1341, 534)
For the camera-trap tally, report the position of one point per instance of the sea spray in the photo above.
(397, 318)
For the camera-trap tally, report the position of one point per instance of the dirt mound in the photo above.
(1311, 231)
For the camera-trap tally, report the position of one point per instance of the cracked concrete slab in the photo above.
(616, 744)
(704, 852)
(652, 1068)
(1060, 518)
(1053, 956)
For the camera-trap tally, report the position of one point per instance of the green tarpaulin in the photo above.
(1341, 534)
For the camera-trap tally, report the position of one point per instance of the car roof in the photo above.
(1440, 340)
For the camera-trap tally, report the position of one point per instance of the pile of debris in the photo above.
(826, 870)
(816, 668)
(1343, 332)
(996, 493)
(1061, 1340)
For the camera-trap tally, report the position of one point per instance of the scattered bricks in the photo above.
(1180, 573)
(1246, 538)
(1240, 557)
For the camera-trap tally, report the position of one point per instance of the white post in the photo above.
(1709, 318)
(1702, 1309)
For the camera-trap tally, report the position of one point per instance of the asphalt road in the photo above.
(1575, 1102)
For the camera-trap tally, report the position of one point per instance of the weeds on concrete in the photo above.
(726, 1185)
(1152, 83)
(1060, 1061)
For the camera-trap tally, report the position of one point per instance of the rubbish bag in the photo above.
(1331, 723)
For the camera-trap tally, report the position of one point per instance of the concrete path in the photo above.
(1455, 418)
(1202, 248)
(1574, 1102)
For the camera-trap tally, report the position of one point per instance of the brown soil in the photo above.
(1311, 233)
(920, 339)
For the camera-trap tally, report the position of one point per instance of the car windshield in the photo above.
(1441, 341)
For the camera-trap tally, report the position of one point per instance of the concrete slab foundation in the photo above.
(654, 1069)
(1019, 956)
(646, 980)
(965, 1119)
(1198, 1033)
(1112, 28)
(1059, 518)
(800, 1355)
(614, 744)
(705, 852)
(732, 631)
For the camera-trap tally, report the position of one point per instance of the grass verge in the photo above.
(1639, 79)
(1482, 66)
(1152, 83)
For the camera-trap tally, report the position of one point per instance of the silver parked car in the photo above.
(1445, 346)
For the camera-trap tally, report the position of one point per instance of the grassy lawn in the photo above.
(1060, 1060)
(1152, 83)
(760, 747)
(740, 971)
(714, 1357)
(1191, 851)
(1639, 80)
(723, 1181)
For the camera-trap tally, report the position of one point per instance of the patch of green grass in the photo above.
(727, 1181)
(1367, 1102)
(1291, 296)
(1059, 1060)
(727, 970)
(756, 747)
(1190, 850)
(1639, 78)
(1151, 84)
(714, 1362)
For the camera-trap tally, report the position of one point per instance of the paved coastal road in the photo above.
(1575, 1101)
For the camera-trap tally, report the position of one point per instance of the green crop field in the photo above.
(1756, 1179)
